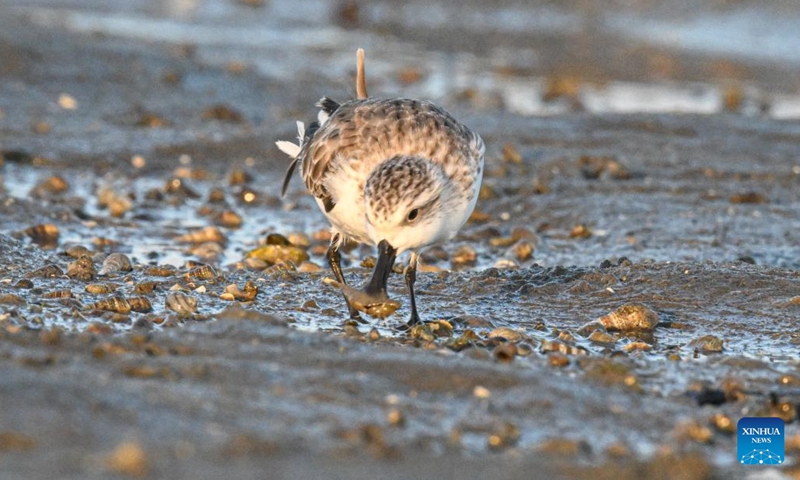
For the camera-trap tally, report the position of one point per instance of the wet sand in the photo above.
(691, 215)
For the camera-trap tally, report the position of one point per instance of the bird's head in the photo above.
(410, 203)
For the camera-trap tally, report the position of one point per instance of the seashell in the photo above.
(707, 344)
(637, 346)
(522, 250)
(115, 262)
(252, 263)
(464, 255)
(11, 299)
(548, 346)
(140, 304)
(228, 219)
(505, 332)
(277, 239)
(565, 336)
(58, 294)
(421, 331)
(459, 343)
(505, 352)
(239, 177)
(203, 272)
(600, 336)
(116, 204)
(216, 195)
(81, 269)
(308, 267)
(24, 283)
(299, 239)
(504, 263)
(207, 234)
(44, 235)
(178, 187)
(207, 250)
(48, 271)
(77, 251)
(273, 254)
(99, 288)
(181, 303)
(161, 271)
(117, 304)
(580, 231)
(145, 287)
(248, 294)
(103, 243)
(629, 317)
(49, 187)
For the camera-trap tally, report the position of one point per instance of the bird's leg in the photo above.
(334, 260)
(411, 277)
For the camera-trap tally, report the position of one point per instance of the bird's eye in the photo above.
(413, 214)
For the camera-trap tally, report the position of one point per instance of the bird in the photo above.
(397, 173)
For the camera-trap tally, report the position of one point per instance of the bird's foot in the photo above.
(377, 305)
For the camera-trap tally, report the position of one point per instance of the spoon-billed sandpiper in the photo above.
(397, 173)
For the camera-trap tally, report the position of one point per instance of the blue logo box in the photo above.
(760, 441)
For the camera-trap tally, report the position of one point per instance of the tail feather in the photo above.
(327, 106)
(293, 150)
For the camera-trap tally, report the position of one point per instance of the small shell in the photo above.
(248, 294)
(216, 195)
(505, 352)
(505, 332)
(181, 303)
(631, 316)
(99, 288)
(58, 294)
(228, 219)
(116, 303)
(11, 299)
(45, 234)
(48, 271)
(707, 344)
(208, 234)
(145, 287)
(49, 187)
(279, 253)
(140, 304)
(77, 251)
(207, 250)
(561, 347)
(464, 255)
(161, 271)
(115, 262)
(117, 204)
(81, 269)
(522, 250)
(203, 272)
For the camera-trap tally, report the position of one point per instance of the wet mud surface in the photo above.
(626, 290)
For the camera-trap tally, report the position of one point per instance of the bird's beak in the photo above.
(383, 267)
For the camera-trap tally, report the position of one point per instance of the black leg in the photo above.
(334, 260)
(411, 277)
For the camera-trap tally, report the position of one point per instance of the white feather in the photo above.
(322, 117)
(292, 149)
(289, 148)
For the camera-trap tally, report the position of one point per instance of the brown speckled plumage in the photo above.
(372, 131)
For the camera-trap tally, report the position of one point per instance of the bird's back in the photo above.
(360, 134)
